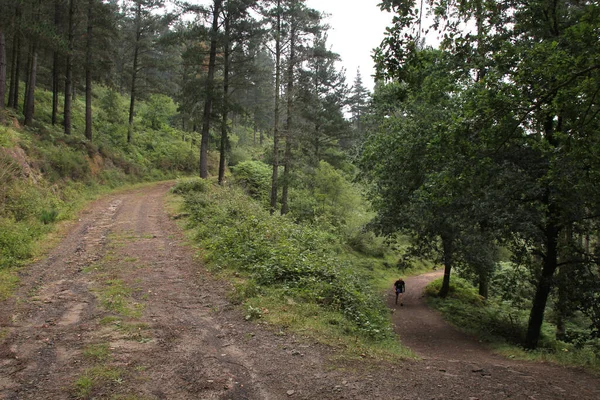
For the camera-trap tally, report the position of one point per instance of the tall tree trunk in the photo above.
(27, 75)
(225, 112)
(136, 52)
(55, 87)
(210, 83)
(274, 176)
(2, 70)
(133, 94)
(536, 317)
(13, 91)
(448, 248)
(55, 72)
(562, 307)
(287, 157)
(484, 284)
(14, 75)
(69, 72)
(88, 73)
(29, 105)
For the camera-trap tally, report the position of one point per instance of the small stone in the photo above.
(478, 370)
(290, 392)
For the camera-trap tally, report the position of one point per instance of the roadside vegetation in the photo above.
(501, 321)
(480, 154)
(305, 277)
(47, 176)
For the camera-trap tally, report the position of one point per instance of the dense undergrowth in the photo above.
(294, 274)
(503, 326)
(45, 175)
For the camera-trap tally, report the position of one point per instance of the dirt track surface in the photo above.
(123, 281)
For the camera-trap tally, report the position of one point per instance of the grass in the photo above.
(9, 281)
(320, 291)
(503, 327)
(313, 322)
(97, 378)
(97, 352)
(115, 296)
(47, 178)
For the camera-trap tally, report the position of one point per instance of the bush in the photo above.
(464, 308)
(15, 242)
(191, 185)
(49, 216)
(255, 177)
(68, 163)
(275, 251)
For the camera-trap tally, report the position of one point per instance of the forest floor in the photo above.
(122, 309)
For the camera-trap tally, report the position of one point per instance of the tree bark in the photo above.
(274, 176)
(69, 72)
(448, 249)
(484, 284)
(287, 158)
(13, 92)
(2, 70)
(55, 72)
(209, 91)
(88, 73)
(225, 112)
(29, 105)
(136, 51)
(536, 317)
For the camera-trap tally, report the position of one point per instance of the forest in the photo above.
(480, 155)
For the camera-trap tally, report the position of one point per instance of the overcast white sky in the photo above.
(357, 27)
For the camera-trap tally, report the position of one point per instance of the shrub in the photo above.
(255, 177)
(15, 242)
(191, 185)
(68, 163)
(48, 216)
(275, 251)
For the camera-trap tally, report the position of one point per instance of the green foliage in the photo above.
(459, 289)
(16, 241)
(243, 291)
(508, 137)
(45, 175)
(97, 352)
(275, 251)
(157, 111)
(49, 216)
(67, 163)
(98, 378)
(503, 325)
(253, 313)
(190, 185)
(8, 283)
(255, 177)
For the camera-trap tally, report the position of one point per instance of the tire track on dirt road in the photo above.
(56, 313)
(123, 309)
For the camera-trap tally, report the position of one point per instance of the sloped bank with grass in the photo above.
(288, 274)
(47, 176)
(502, 324)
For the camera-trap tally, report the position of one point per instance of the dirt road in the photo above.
(122, 309)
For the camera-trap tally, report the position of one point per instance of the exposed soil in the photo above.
(124, 281)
